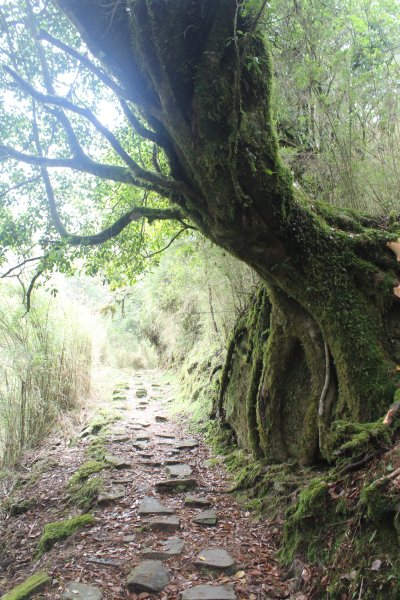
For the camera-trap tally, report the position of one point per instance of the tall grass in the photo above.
(44, 369)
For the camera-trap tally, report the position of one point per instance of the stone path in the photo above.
(165, 526)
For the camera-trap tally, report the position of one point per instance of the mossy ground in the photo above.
(60, 530)
(30, 586)
(84, 489)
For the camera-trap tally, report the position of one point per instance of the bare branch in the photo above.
(137, 126)
(22, 264)
(30, 288)
(164, 183)
(84, 60)
(168, 245)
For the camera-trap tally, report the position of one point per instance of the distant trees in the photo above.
(337, 98)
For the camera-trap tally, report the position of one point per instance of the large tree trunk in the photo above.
(202, 75)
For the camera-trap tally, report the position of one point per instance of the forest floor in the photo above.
(146, 439)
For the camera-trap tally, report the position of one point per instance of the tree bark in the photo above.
(200, 73)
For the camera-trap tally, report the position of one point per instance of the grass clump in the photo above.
(61, 530)
(33, 584)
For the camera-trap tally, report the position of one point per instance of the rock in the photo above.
(151, 506)
(142, 438)
(129, 538)
(186, 444)
(139, 445)
(141, 393)
(169, 548)
(175, 485)
(207, 517)
(178, 470)
(81, 591)
(149, 576)
(115, 493)
(215, 558)
(161, 419)
(197, 502)
(165, 436)
(119, 439)
(209, 592)
(117, 462)
(155, 385)
(151, 463)
(143, 423)
(164, 524)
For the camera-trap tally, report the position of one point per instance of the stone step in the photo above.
(215, 558)
(175, 485)
(169, 548)
(209, 592)
(151, 506)
(178, 470)
(117, 462)
(112, 495)
(81, 591)
(164, 524)
(207, 518)
(150, 576)
(186, 444)
(196, 502)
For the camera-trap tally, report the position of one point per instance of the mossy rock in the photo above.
(61, 530)
(32, 585)
(86, 469)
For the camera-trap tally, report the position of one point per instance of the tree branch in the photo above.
(171, 241)
(84, 60)
(22, 264)
(160, 181)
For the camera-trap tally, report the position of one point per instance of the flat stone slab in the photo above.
(209, 592)
(117, 462)
(81, 591)
(215, 558)
(127, 539)
(141, 393)
(139, 445)
(150, 576)
(207, 518)
(186, 444)
(142, 438)
(175, 485)
(151, 506)
(161, 419)
(178, 470)
(115, 493)
(169, 548)
(197, 501)
(143, 423)
(164, 524)
(165, 436)
(121, 438)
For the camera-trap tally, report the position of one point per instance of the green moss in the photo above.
(348, 441)
(85, 470)
(96, 449)
(83, 490)
(85, 494)
(30, 586)
(305, 520)
(60, 530)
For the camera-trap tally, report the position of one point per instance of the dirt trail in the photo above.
(104, 554)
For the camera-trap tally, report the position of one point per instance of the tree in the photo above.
(194, 79)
